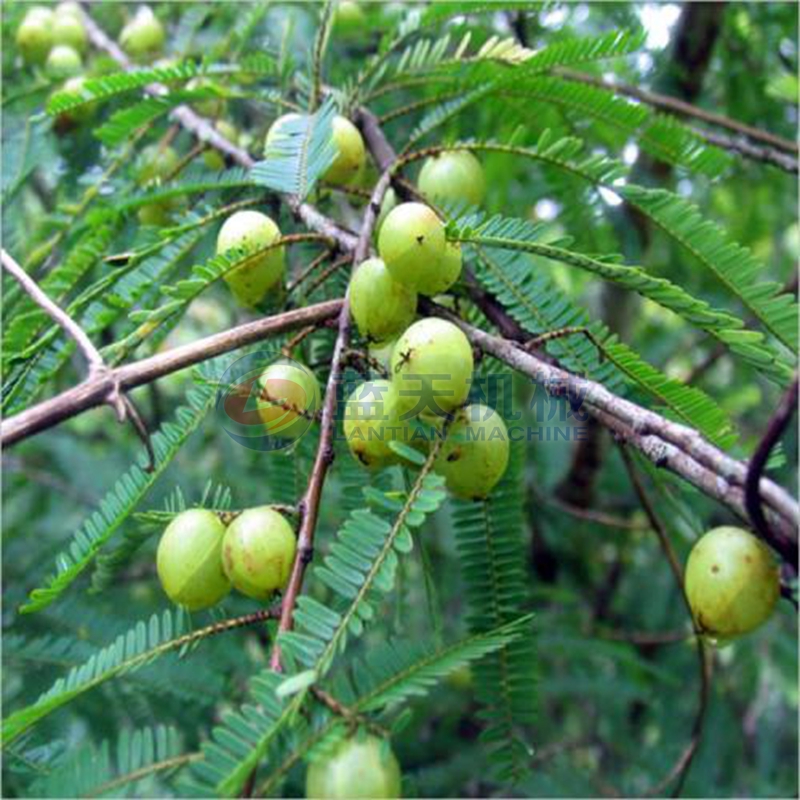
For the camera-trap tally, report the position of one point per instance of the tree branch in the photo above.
(684, 109)
(777, 538)
(93, 392)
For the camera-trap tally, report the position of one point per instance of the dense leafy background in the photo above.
(598, 711)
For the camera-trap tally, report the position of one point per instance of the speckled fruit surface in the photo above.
(380, 306)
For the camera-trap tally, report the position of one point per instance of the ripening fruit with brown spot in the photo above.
(258, 552)
(189, 560)
(732, 582)
(474, 456)
(412, 243)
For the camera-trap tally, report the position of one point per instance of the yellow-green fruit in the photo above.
(69, 30)
(211, 107)
(212, 158)
(446, 273)
(732, 582)
(288, 400)
(79, 114)
(474, 455)
(189, 560)
(258, 552)
(348, 18)
(35, 36)
(69, 9)
(412, 244)
(389, 202)
(143, 37)
(63, 62)
(360, 767)
(351, 157)
(452, 177)
(380, 305)
(252, 231)
(382, 352)
(432, 367)
(154, 164)
(371, 421)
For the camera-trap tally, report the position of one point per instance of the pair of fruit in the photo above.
(732, 583)
(430, 366)
(351, 155)
(53, 38)
(198, 558)
(157, 162)
(359, 766)
(143, 37)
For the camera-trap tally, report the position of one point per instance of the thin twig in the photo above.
(684, 109)
(680, 769)
(92, 393)
(752, 494)
(590, 515)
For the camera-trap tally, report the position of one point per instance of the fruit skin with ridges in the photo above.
(34, 36)
(189, 560)
(412, 243)
(431, 366)
(143, 37)
(371, 421)
(474, 456)
(362, 766)
(732, 582)
(380, 305)
(452, 177)
(289, 398)
(252, 231)
(63, 62)
(258, 552)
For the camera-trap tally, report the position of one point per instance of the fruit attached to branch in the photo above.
(431, 367)
(35, 35)
(252, 231)
(143, 37)
(380, 305)
(474, 455)
(63, 62)
(452, 177)
(258, 552)
(289, 398)
(371, 422)
(360, 766)
(189, 560)
(732, 582)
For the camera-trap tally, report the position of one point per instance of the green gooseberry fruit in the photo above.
(154, 164)
(352, 154)
(258, 552)
(380, 305)
(143, 37)
(34, 36)
(251, 231)
(348, 18)
(474, 456)
(68, 29)
(276, 130)
(452, 177)
(289, 398)
(411, 243)
(362, 766)
(446, 273)
(732, 582)
(189, 560)
(79, 114)
(212, 158)
(432, 366)
(371, 422)
(211, 107)
(63, 62)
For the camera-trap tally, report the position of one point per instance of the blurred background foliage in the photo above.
(615, 706)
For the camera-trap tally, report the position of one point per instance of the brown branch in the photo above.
(590, 515)
(681, 767)
(778, 539)
(684, 109)
(93, 392)
(309, 506)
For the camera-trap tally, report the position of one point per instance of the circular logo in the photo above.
(266, 401)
